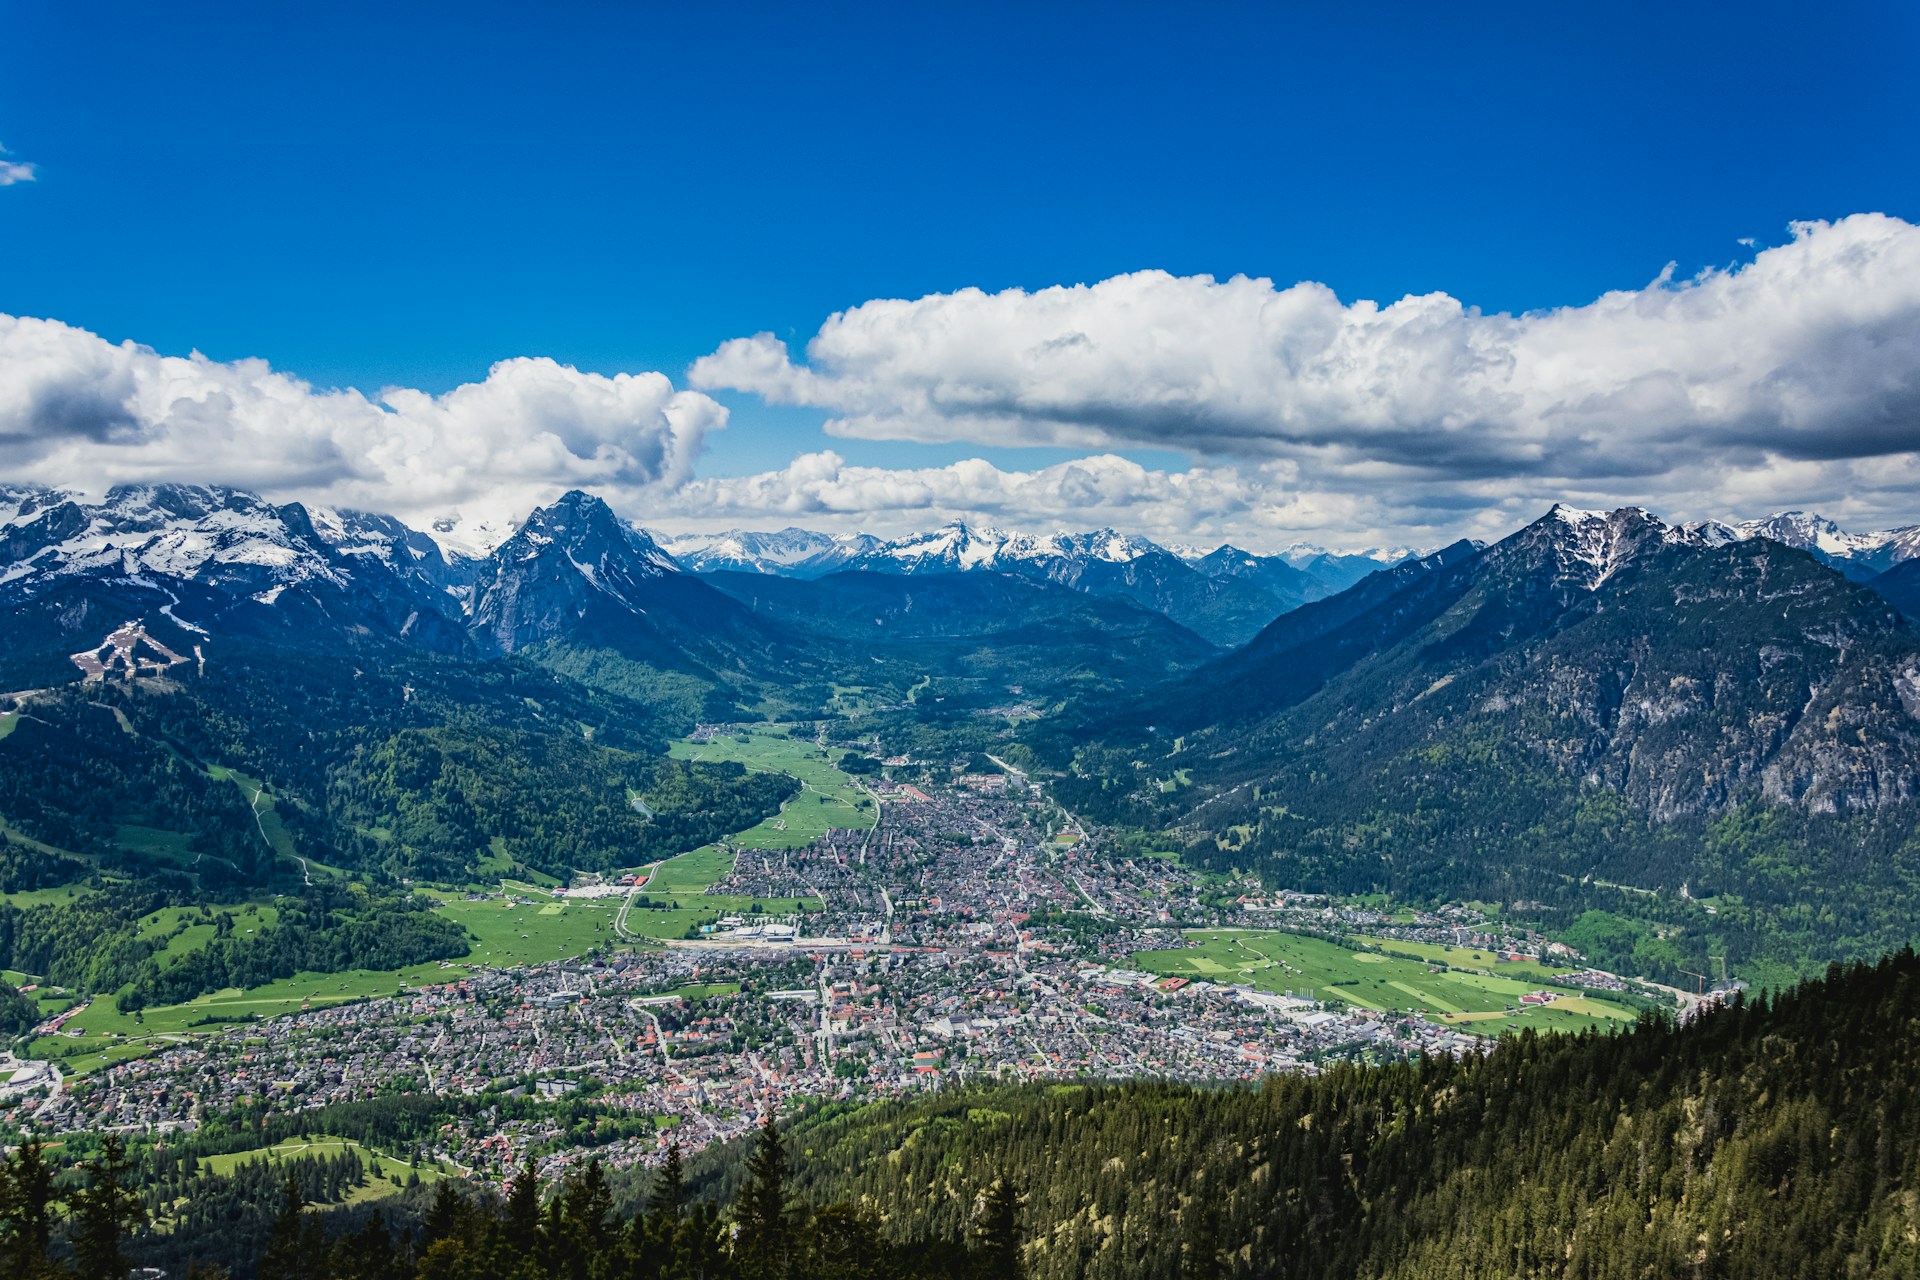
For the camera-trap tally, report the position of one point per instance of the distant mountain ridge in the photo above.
(790, 552)
(1603, 623)
(205, 558)
(1861, 556)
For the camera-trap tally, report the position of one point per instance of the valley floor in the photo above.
(891, 937)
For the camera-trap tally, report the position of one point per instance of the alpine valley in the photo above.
(349, 875)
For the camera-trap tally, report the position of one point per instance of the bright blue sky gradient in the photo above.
(367, 194)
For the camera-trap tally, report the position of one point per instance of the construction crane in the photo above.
(1700, 982)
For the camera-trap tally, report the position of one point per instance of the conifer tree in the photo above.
(295, 1250)
(104, 1213)
(670, 1188)
(763, 1246)
(523, 1209)
(26, 1210)
(997, 1234)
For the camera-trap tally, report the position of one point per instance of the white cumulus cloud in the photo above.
(1793, 377)
(80, 412)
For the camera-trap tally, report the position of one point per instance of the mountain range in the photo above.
(1599, 698)
(1225, 595)
(207, 559)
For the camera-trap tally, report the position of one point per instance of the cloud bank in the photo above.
(1790, 380)
(824, 490)
(79, 412)
(1794, 377)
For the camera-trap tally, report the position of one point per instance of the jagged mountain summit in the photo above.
(565, 561)
(1860, 556)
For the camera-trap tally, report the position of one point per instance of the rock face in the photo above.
(569, 560)
(1681, 670)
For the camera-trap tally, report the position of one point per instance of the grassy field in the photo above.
(26, 898)
(701, 991)
(1371, 979)
(197, 932)
(827, 799)
(1467, 958)
(382, 1169)
(691, 872)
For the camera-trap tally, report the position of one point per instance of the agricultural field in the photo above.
(1371, 979)
(1469, 958)
(827, 798)
(690, 872)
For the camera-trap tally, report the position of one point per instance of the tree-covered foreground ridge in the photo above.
(1774, 1136)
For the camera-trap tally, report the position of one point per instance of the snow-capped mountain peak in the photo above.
(1592, 546)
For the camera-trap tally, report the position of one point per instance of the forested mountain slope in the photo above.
(389, 762)
(1597, 698)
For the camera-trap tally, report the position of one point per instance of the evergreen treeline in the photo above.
(89, 1230)
(17, 1012)
(73, 778)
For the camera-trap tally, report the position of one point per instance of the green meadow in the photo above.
(1371, 979)
(691, 872)
(385, 1174)
(827, 799)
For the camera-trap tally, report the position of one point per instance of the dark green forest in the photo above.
(1775, 1137)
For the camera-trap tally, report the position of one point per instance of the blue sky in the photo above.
(376, 195)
